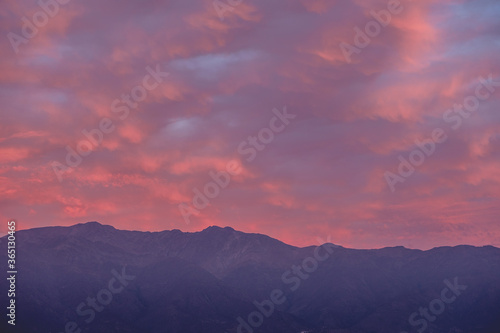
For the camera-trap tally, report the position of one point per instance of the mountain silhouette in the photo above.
(94, 278)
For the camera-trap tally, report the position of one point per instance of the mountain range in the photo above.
(94, 278)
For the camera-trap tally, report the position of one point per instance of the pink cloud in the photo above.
(322, 175)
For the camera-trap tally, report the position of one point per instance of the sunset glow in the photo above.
(157, 98)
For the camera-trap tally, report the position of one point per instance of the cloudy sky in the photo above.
(359, 95)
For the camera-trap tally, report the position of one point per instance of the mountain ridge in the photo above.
(95, 225)
(207, 281)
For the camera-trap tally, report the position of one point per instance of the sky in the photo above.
(363, 123)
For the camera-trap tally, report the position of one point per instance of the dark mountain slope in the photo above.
(205, 281)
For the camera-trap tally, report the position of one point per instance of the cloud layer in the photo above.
(323, 174)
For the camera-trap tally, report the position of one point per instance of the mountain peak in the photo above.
(215, 227)
(93, 226)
